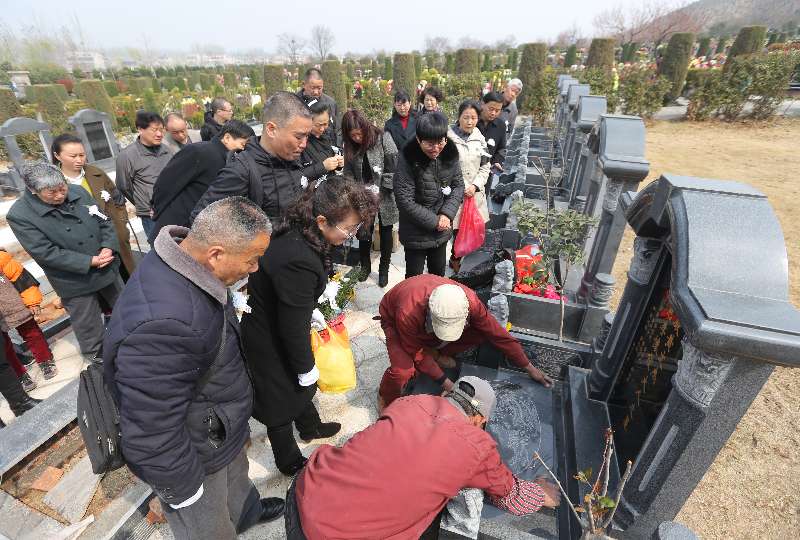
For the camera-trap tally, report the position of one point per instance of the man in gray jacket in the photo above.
(509, 112)
(140, 163)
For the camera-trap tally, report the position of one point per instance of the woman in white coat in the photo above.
(474, 161)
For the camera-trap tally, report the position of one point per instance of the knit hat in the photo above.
(449, 309)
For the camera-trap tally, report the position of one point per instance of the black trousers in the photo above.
(284, 445)
(435, 257)
(10, 386)
(365, 246)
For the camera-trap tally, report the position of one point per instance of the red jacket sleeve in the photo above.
(481, 320)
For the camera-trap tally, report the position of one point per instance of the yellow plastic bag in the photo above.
(334, 358)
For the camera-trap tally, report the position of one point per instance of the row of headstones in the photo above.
(92, 126)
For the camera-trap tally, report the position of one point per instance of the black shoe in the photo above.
(24, 406)
(323, 431)
(383, 277)
(294, 468)
(363, 274)
(272, 508)
(2, 424)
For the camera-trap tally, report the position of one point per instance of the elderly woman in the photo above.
(61, 228)
(474, 160)
(430, 100)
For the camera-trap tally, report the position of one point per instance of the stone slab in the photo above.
(72, 495)
(48, 479)
(20, 522)
(122, 515)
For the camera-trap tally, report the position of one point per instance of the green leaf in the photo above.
(606, 502)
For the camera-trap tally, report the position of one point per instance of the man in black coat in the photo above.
(403, 123)
(429, 189)
(174, 364)
(493, 129)
(221, 111)
(268, 170)
(312, 92)
(189, 173)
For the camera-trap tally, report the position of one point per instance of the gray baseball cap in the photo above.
(482, 399)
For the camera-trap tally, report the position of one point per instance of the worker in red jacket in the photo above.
(392, 480)
(427, 319)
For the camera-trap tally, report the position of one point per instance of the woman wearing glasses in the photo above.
(370, 156)
(291, 276)
(428, 188)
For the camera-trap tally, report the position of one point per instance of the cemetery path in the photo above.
(750, 492)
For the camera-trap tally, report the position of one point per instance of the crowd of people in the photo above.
(272, 208)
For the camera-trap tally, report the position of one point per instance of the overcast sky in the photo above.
(362, 26)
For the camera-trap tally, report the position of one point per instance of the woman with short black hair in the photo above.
(428, 188)
(402, 124)
(291, 276)
(430, 100)
(321, 155)
(370, 157)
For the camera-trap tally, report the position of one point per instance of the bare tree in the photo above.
(322, 40)
(681, 19)
(569, 36)
(651, 20)
(291, 46)
(437, 44)
(508, 42)
(468, 42)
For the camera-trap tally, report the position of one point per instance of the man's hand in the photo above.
(469, 191)
(35, 310)
(448, 385)
(552, 495)
(444, 223)
(332, 163)
(498, 167)
(537, 375)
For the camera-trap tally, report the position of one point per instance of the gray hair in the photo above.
(171, 116)
(41, 175)
(515, 82)
(233, 222)
(217, 104)
(282, 107)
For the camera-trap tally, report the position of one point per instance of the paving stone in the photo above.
(118, 513)
(72, 495)
(21, 522)
(48, 479)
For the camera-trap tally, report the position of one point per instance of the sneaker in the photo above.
(49, 369)
(27, 383)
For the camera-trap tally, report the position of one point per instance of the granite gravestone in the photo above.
(696, 335)
(16, 127)
(95, 130)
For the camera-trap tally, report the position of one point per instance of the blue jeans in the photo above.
(148, 225)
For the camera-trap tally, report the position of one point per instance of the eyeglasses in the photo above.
(351, 233)
(434, 144)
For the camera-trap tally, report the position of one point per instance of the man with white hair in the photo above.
(427, 319)
(510, 111)
(393, 479)
(175, 366)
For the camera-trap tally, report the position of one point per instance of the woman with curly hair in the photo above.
(291, 276)
(431, 100)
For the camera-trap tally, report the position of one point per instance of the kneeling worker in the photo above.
(427, 319)
(392, 479)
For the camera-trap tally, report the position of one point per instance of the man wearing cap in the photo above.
(392, 480)
(427, 319)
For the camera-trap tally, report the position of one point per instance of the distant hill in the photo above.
(730, 15)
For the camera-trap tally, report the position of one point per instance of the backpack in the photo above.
(98, 414)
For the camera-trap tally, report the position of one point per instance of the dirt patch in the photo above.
(750, 491)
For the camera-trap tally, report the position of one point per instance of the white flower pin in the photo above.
(303, 182)
(491, 142)
(376, 169)
(239, 300)
(336, 150)
(105, 195)
(94, 211)
(446, 190)
(310, 103)
(373, 188)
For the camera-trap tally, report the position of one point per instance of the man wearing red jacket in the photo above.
(392, 480)
(427, 319)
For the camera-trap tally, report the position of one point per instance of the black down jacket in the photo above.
(420, 184)
(163, 336)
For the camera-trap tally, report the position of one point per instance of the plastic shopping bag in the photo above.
(334, 358)
(471, 229)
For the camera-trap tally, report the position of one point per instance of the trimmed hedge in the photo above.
(601, 54)
(675, 63)
(749, 40)
(94, 93)
(405, 77)
(571, 57)
(111, 88)
(450, 63)
(334, 83)
(49, 102)
(273, 79)
(534, 57)
(642, 90)
(704, 49)
(387, 68)
(467, 61)
(417, 65)
(229, 79)
(9, 106)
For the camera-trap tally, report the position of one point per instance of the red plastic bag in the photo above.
(471, 229)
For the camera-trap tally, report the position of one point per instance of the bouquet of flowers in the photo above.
(339, 292)
(533, 274)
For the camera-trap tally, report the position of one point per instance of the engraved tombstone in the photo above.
(95, 130)
(9, 131)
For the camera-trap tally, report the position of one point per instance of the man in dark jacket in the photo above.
(493, 129)
(427, 320)
(268, 170)
(174, 364)
(428, 188)
(403, 123)
(221, 111)
(311, 93)
(188, 174)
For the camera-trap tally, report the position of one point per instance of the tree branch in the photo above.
(622, 483)
(560, 487)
